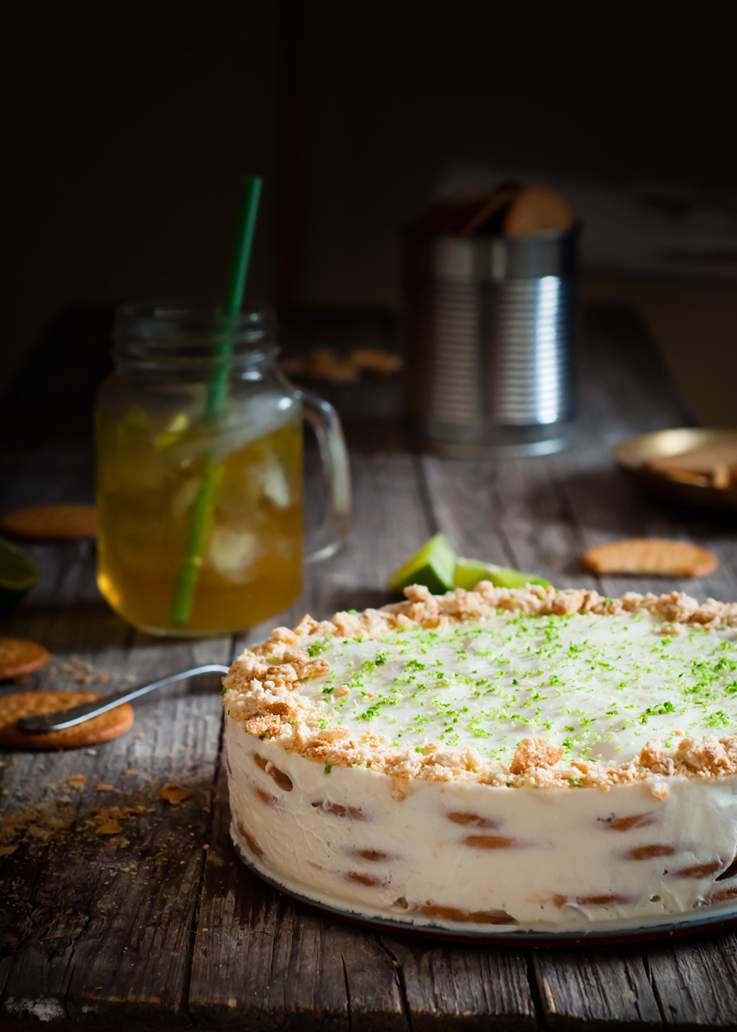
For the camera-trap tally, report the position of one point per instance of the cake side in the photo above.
(467, 855)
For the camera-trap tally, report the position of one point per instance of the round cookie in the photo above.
(19, 656)
(537, 209)
(51, 522)
(13, 707)
(651, 556)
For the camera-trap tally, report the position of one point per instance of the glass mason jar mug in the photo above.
(199, 473)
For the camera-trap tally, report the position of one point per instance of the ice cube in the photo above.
(251, 420)
(184, 496)
(272, 481)
(173, 430)
(232, 553)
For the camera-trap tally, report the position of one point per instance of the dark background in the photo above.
(131, 125)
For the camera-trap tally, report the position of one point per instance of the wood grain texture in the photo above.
(596, 988)
(96, 924)
(455, 988)
(694, 982)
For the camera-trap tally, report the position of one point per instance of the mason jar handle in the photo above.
(324, 420)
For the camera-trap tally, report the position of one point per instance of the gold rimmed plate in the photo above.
(634, 455)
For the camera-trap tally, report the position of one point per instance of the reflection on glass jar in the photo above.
(153, 448)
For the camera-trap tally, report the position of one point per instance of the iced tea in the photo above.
(150, 466)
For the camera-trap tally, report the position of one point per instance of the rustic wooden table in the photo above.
(159, 925)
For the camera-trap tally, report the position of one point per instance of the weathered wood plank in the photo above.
(509, 513)
(451, 988)
(97, 927)
(596, 988)
(105, 923)
(146, 916)
(685, 985)
(694, 981)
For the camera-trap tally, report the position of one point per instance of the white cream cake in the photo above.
(525, 759)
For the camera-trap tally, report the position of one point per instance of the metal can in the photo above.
(489, 324)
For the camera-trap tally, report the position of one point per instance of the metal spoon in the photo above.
(87, 710)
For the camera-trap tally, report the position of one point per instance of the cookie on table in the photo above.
(19, 657)
(536, 209)
(15, 706)
(654, 557)
(376, 360)
(64, 522)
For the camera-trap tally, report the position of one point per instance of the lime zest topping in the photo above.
(657, 711)
(718, 719)
(487, 684)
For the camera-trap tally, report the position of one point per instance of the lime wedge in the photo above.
(469, 572)
(172, 431)
(432, 566)
(17, 576)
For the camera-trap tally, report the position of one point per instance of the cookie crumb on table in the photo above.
(173, 793)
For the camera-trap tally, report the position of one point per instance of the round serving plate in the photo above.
(717, 919)
(633, 455)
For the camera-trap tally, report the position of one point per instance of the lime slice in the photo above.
(17, 576)
(432, 566)
(172, 431)
(469, 572)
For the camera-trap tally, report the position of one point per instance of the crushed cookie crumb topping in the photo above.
(504, 687)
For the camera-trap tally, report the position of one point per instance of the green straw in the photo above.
(217, 391)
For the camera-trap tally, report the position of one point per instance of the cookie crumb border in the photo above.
(262, 693)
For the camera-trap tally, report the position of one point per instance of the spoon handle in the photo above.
(60, 719)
